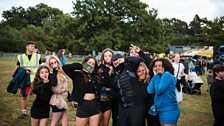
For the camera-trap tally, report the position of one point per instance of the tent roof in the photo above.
(207, 53)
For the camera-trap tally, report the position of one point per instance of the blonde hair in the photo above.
(61, 74)
(104, 51)
(147, 76)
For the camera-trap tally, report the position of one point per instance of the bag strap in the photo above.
(178, 70)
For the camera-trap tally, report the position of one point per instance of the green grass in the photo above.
(195, 109)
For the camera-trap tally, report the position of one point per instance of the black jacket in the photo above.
(83, 81)
(126, 85)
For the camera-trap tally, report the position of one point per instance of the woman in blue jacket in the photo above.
(163, 85)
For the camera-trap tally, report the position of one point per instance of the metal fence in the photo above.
(8, 56)
(13, 57)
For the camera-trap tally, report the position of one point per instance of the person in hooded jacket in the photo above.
(131, 101)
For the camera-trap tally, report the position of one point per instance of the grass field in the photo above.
(195, 109)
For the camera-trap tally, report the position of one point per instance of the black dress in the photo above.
(40, 108)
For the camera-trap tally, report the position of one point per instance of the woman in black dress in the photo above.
(41, 87)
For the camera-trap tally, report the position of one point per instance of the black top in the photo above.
(126, 87)
(146, 58)
(217, 96)
(83, 82)
(43, 95)
(43, 91)
(217, 92)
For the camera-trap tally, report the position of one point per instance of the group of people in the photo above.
(135, 90)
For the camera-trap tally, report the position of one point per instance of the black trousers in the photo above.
(131, 115)
(152, 120)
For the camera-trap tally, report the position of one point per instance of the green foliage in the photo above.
(96, 25)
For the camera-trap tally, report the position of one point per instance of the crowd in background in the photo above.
(136, 90)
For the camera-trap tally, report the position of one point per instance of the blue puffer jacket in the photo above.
(163, 85)
(20, 80)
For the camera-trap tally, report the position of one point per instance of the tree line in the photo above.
(95, 25)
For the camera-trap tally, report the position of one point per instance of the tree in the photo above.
(20, 18)
(115, 24)
(15, 17)
(11, 40)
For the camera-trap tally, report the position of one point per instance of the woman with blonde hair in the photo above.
(105, 99)
(59, 98)
(143, 74)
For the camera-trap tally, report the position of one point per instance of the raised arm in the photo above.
(69, 69)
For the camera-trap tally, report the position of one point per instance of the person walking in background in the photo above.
(29, 61)
(69, 55)
(41, 87)
(60, 95)
(62, 57)
(217, 95)
(178, 73)
(163, 84)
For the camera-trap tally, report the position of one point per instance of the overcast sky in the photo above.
(184, 10)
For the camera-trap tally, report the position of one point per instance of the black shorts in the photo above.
(39, 112)
(56, 109)
(88, 108)
(105, 104)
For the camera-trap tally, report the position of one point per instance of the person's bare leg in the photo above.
(24, 105)
(35, 122)
(64, 118)
(105, 118)
(169, 125)
(43, 122)
(82, 121)
(56, 116)
(94, 120)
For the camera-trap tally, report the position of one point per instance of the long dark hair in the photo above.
(166, 64)
(60, 54)
(37, 80)
(85, 60)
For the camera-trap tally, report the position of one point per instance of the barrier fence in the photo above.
(13, 57)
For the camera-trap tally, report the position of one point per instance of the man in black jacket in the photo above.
(131, 103)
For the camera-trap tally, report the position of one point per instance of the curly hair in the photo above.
(166, 64)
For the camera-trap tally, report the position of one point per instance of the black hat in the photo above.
(116, 56)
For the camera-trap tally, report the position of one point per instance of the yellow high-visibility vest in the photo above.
(31, 64)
